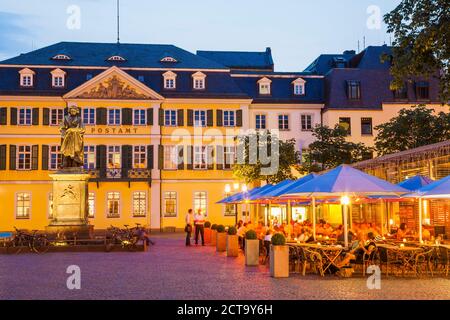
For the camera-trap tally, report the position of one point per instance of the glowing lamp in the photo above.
(227, 188)
(244, 188)
(236, 186)
(391, 222)
(404, 240)
(345, 200)
(402, 245)
(318, 243)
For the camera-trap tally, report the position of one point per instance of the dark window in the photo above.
(422, 90)
(366, 126)
(353, 90)
(345, 124)
(401, 93)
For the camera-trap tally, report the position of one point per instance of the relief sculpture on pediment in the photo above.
(113, 88)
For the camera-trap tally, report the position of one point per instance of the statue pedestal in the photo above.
(70, 202)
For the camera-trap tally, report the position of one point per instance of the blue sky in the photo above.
(296, 30)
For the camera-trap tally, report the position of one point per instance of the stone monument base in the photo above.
(81, 231)
(70, 203)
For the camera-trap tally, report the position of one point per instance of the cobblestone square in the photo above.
(169, 270)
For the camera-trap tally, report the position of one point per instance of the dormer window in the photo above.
(170, 80)
(168, 59)
(61, 57)
(199, 80)
(299, 87)
(58, 78)
(264, 86)
(116, 58)
(26, 77)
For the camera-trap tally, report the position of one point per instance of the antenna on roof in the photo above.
(118, 22)
(364, 42)
(358, 47)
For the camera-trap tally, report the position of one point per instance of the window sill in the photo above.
(306, 130)
(22, 218)
(170, 215)
(139, 216)
(112, 217)
(367, 134)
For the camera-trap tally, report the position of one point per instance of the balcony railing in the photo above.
(119, 174)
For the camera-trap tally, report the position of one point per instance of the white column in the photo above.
(314, 216)
(245, 117)
(345, 226)
(155, 208)
(420, 218)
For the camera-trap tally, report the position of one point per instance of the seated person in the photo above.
(426, 234)
(402, 231)
(241, 234)
(365, 245)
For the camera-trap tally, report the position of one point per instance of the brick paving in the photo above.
(171, 271)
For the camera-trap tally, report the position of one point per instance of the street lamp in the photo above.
(227, 189)
(236, 186)
(345, 201)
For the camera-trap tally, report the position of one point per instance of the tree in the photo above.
(413, 127)
(288, 158)
(331, 149)
(421, 43)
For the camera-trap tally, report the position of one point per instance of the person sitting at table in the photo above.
(426, 234)
(365, 245)
(402, 231)
(259, 228)
(250, 226)
(304, 236)
(350, 237)
(373, 228)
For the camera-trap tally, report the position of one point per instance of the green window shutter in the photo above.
(45, 152)
(209, 118)
(190, 118)
(3, 157)
(160, 117)
(3, 115)
(100, 116)
(238, 118)
(210, 157)
(160, 157)
(12, 156)
(190, 158)
(34, 157)
(180, 117)
(127, 116)
(35, 116)
(150, 116)
(219, 157)
(219, 116)
(46, 116)
(101, 159)
(181, 157)
(127, 156)
(13, 116)
(150, 157)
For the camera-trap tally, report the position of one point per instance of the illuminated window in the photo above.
(139, 157)
(200, 157)
(23, 205)
(345, 123)
(200, 202)
(91, 205)
(230, 210)
(170, 157)
(89, 157)
(170, 204)
(114, 157)
(139, 204)
(113, 204)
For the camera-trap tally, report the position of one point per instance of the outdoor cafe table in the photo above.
(329, 253)
(404, 253)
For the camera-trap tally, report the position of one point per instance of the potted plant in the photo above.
(221, 239)
(279, 257)
(232, 242)
(207, 232)
(251, 248)
(213, 234)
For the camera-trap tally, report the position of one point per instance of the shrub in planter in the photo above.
(221, 239)
(232, 231)
(207, 232)
(232, 242)
(279, 257)
(213, 234)
(251, 248)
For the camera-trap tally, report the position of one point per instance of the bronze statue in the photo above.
(72, 144)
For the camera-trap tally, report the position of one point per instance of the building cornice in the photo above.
(276, 106)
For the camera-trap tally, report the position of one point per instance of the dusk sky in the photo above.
(296, 30)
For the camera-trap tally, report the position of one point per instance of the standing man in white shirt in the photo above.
(199, 221)
(188, 228)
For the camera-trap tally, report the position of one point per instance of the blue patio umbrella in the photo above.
(263, 193)
(415, 183)
(280, 190)
(344, 181)
(237, 197)
(438, 189)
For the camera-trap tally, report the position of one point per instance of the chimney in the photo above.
(349, 52)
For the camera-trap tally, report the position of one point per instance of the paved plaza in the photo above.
(169, 270)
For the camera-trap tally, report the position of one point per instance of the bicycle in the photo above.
(35, 242)
(126, 237)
